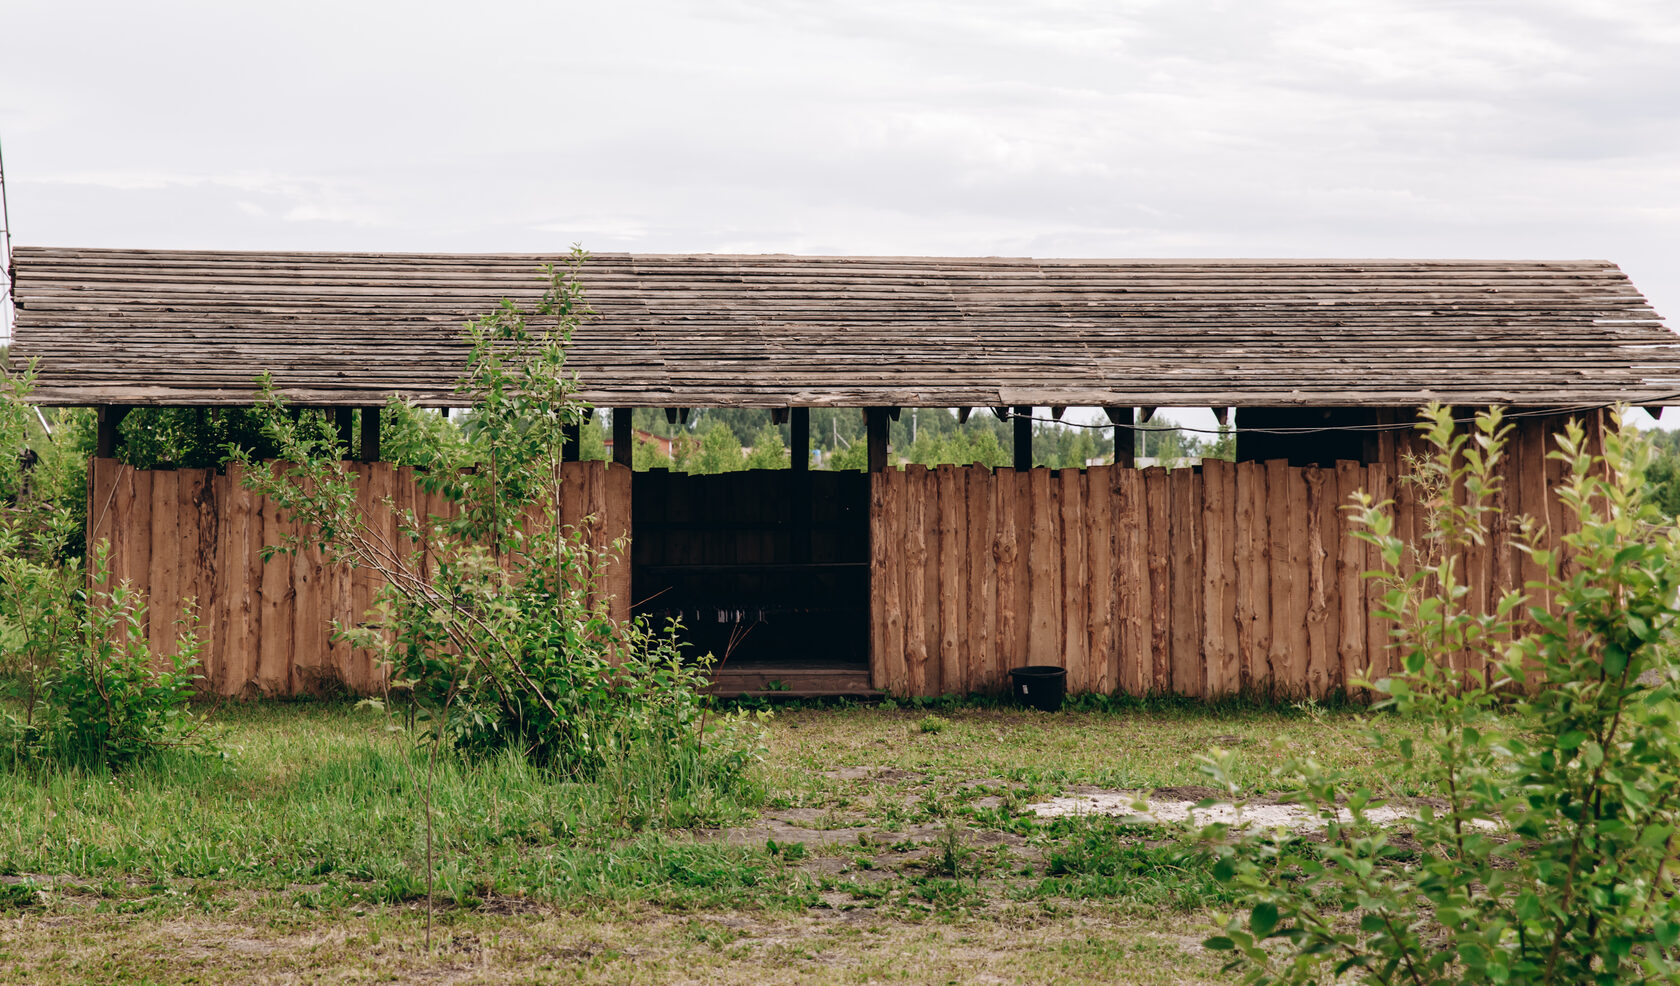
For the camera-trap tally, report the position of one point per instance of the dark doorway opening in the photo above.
(768, 570)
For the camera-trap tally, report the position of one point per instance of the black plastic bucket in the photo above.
(1041, 686)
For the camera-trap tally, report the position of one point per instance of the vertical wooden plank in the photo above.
(899, 519)
(1330, 534)
(274, 671)
(199, 531)
(362, 582)
(1006, 555)
(255, 534)
(1219, 603)
(1317, 680)
(1559, 522)
(102, 489)
(1265, 681)
(1101, 604)
(336, 596)
(921, 676)
(381, 522)
(1184, 524)
(1378, 483)
(407, 498)
(218, 663)
(1023, 504)
(233, 587)
(982, 582)
(138, 535)
(599, 533)
(881, 595)
(1350, 566)
(122, 517)
(1531, 435)
(1044, 609)
(929, 481)
(1129, 518)
(952, 601)
(1299, 589)
(1075, 579)
(620, 510)
(1280, 659)
(1405, 495)
(164, 577)
(1507, 572)
(1159, 533)
(1243, 557)
(311, 673)
(573, 506)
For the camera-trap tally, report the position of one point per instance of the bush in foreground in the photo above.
(1547, 850)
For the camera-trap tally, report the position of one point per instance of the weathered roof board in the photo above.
(182, 327)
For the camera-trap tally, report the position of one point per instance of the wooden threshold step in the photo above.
(791, 682)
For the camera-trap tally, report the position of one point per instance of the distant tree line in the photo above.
(713, 440)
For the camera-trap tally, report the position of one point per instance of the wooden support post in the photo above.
(110, 417)
(1125, 439)
(370, 434)
(1023, 438)
(571, 442)
(799, 426)
(962, 415)
(624, 437)
(875, 420)
(344, 418)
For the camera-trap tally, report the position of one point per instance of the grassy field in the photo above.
(877, 845)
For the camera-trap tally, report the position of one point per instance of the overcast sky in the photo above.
(1120, 128)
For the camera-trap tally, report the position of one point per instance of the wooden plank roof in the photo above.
(190, 327)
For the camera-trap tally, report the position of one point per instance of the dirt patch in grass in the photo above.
(634, 946)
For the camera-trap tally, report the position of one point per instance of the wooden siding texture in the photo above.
(197, 534)
(188, 327)
(1232, 577)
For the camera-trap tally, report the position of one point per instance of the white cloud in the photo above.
(1269, 127)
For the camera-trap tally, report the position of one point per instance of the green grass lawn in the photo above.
(878, 844)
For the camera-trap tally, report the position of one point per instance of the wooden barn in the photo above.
(1199, 581)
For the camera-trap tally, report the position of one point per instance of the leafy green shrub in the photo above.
(502, 639)
(112, 701)
(104, 700)
(1546, 851)
(88, 691)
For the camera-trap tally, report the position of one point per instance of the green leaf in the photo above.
(1572, 739)
(1218, 943)
(1592, 754)
(1263, 919)
(1615, 659)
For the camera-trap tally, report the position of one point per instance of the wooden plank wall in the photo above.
(198, 534)
(1230, 577)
